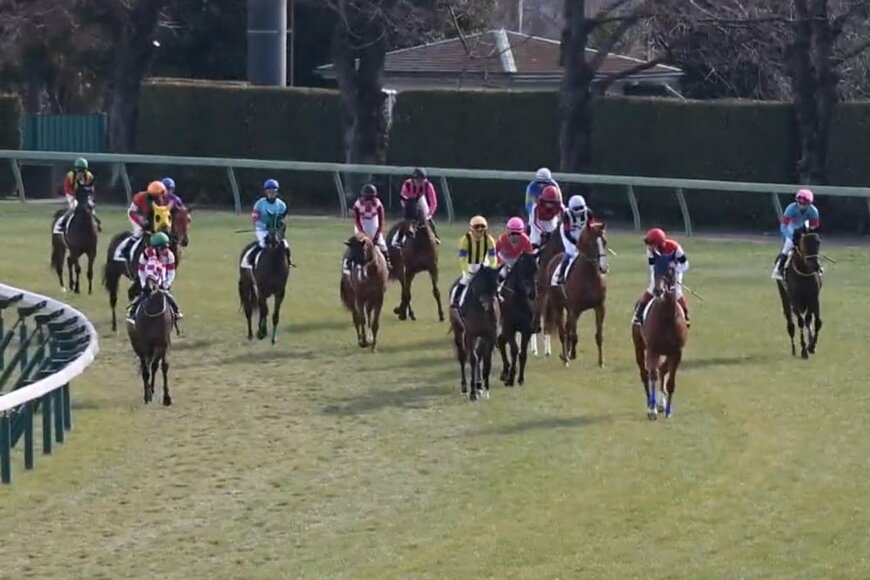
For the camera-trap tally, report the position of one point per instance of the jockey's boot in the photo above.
(640, 307)
(777, 267)
(287, 253)
(560, 279)
(457, 295)
(131, 309)
(434, 231)
(682, 302)
(176, 311)
(98, 220)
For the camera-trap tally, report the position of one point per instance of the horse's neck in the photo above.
(82, 220)
(666, 307)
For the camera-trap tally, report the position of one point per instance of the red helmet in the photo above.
(655, 237)
(551, 194)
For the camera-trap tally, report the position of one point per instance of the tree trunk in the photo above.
(134, 55)
(575, 95)
(359, 71)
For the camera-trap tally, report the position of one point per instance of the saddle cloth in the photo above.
(554, 280)
(59, 226)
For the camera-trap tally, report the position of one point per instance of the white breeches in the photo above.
(787, 246)
(138, 230)
(424, 205)
(569, 246)
(261, 237)
(71, 200)
(535, 235)
(678, 284)
(371, 230)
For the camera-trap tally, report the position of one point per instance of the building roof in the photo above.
(500, 52)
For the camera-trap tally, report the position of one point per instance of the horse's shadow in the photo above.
(408, 398)
(547, 423)
(723, 361)
(315, 326)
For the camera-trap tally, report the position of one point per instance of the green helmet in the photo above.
(81, 163)
(159, 239)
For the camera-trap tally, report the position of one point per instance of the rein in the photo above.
(162, 310)
(803, 257)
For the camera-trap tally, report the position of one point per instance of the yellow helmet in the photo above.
(477, 221)
(156, 188)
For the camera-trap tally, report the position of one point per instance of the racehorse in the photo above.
(119, 263)
(77, 237)
(517, 316)
(266, 277)
(585, 287)
(364, 286)
(474, 328)
(551, 245)
(151, 338)
(662, 335)
(800, 288)
(418, 254)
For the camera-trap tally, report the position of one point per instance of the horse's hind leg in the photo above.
(73, 273)
(673, 363)
(599, 333)
(375, 323)
(408, 308)
(817, 326)
(155, 364)
(502, 349)
(91, 258)
(801, 325)
(263, 306)
(164, 368)
(487, 365)
(143, 369)
(789, 322)
(276, 316)
(524, 355)
(460, 356)
(433, 275)
(57, 254)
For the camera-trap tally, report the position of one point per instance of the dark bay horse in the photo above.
(585, 288)
(551, 245)
(363, 288)
(79, 238)
(267, 277)
(118, 265)
(800, 288)
(419, 253)
(475, 329)
(659, 342)
(151, 337)
(518, 310)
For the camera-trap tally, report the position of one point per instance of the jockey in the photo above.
(536, 187)
(798, 212)
(419, 189)
(368, 218)
(79, 177)
(267, 208)
(660, 247)
(512, 244)
(544, 217)
(171, 197)
(574, 219)
(158, 263)
(139, 212)
(476, 249)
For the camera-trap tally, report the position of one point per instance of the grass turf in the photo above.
(317, 459)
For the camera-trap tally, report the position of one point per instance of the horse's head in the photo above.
(161, 218)
(180, 222)
(521, 279)
(808, 247)
(593, 245)
(484, 288)
(83, 197)
(664, 278)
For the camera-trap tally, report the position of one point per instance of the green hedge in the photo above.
(10, 137)
(235, 120)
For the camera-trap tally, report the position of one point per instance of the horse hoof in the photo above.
(463, 389)
(397, 310)
(486, 394)
(167, 401)
(660, 408)
(804, 355)
(412, 317)
(521, 382)
(402, 317)
(362, 343)
(63, 289)
(651, 415)
(440, 317)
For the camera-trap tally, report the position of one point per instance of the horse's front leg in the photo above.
(524, 355)
(263, 306)
(155, 364)
(276, 315)
(573, 321)
(673, 363)
(599, 333)
(789, 323)
(512, 374)
(143, 370)
(502, 349)
(375, 321)
(817, 326)
(91, 258)
(487, 364)
(652, 368)
(73, 279)
(164, 367)
(802, 326)
(410, 309)
(474, 363)
(433, 275)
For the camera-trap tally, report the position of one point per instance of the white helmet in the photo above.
(576, 203)
(543, 174)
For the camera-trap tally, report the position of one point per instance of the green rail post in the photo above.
(67, 408)
(57, 411)
(47, 442)
(28, 435)
(22, 337)
(5, 449)
(777, 206)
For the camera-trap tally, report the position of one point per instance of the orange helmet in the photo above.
(551, 194)
(156, 188)
(655, 237)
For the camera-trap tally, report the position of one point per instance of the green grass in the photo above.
(315, 459)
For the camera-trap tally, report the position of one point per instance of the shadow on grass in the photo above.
(373, 401)
(307, 326)
(723, 361)
(436, 343)
(193, 344)
(547, 423)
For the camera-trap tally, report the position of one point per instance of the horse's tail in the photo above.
(110, 282)
(57, 254)
(248, 295)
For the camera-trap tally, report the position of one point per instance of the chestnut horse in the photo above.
(585, 288)
(517, 317)
(800, 288)
(475, 329)
(659, 342)
(551, 244)
(418, 253)
(363, 287)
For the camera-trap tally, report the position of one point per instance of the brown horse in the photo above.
(551, 245)
(79, 237)
(267, 277)
(585, 288)
(120, 264)
(475, 328)
(151, 337)
(364, 286)
(659, 342)
(517, 317)
(418, 253)
(800, 288)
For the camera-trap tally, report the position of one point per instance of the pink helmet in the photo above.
(804, 196)
(516, 225)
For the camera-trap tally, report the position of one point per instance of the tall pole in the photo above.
(292, 42)
(267, 42)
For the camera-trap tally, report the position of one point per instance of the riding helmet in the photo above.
(159, 239)
(270, 184)
(80, 164)
(156, 188)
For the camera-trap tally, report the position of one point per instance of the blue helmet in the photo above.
(168, 183)
(270, 184)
